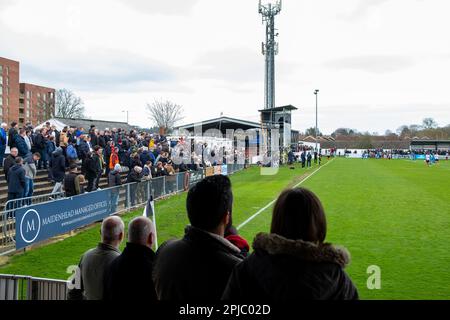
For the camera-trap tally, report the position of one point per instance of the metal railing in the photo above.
(17, 287)
(125, 197)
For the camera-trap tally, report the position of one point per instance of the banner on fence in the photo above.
(42, 221)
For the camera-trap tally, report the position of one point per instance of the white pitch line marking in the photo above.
(273, 201)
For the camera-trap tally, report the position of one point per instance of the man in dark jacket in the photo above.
(129, 276)
(21, 145)
(197, 267)
(16, 180)
(89, 167)
(58, 169)
(39, 145)
(10, 161)
(12, 133)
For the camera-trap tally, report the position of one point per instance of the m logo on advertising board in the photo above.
(30, 226)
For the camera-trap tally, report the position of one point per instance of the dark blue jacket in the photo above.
(2, 137)
(21, 146)
(58, 165)
(147, 156)
(16, 179)
(83, 149)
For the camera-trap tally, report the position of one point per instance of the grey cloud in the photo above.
(167, 7)
(362, 9)
(372, 63)
(100, 70)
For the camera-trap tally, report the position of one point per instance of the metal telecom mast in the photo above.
(269, 49)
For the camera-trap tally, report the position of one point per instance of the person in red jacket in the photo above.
(231, 234)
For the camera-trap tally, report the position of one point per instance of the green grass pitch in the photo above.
(394, 214)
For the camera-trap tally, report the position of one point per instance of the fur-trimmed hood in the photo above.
(308, 251)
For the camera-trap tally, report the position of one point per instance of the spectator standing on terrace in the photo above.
(303, 158)
(30, 173)
(95, 262)
(293, 262)
(39, 146)
(10, 161)
(197, 267)
(134, 177)
(99, 164)
(50, 146)
(16, 180)
(3, 139)
(73, 181)
(90, 170)
(21, 143)
(57, 169)
(308, 159)
(129, 276)
(12, 133)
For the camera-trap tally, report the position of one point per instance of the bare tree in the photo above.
(68, 105)
(429, 123)
(165, 113)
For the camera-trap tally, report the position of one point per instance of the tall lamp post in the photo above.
(316, 92)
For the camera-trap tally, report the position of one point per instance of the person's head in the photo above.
(97, 149)
(22, 132)
(117, 168)
(14, 152)
(137, 169)
(148, 163)
(14, 124)
(18, 160)
(73, 167)
(4, 126)
(141, 231)
(209, 204)
(36, 156)
(298, 214)
(112, 231)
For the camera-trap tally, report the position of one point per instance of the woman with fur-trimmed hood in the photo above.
(293, 262)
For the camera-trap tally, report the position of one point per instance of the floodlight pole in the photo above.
(316, 93)
(269, 50)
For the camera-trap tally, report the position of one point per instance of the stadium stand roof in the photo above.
(60, 123)
(222, 123)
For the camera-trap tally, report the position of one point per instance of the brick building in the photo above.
(23, 102)
(9, 90)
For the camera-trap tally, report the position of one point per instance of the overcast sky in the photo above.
(377, 63)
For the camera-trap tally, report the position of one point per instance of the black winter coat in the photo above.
(129, 276)
(58, 165)
(9, 162)
(16, 179)
(195, 268)
(281, 270)
(90, 167)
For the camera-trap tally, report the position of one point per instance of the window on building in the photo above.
(28, 104)
(1, 90)
(51, 95)
(1, 69)
(7, 101)
(1, 102)
(7, 91)
(28, 94)
(45, 97)
(7, 81)
(1, 79)
(7, 70)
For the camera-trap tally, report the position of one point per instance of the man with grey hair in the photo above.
(95, 262)
(129, 276)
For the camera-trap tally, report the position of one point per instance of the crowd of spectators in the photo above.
(77, 158)
(212, 261)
